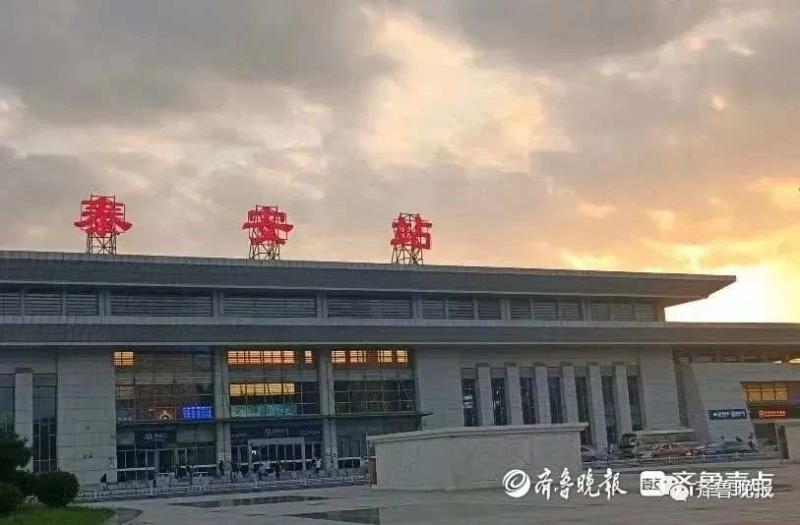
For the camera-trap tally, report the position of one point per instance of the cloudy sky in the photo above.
(627, 134)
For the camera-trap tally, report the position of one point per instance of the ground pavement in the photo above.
(363, 505)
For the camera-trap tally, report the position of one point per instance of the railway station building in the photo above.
(133, 365)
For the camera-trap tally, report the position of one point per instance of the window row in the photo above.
(734, 355)
(555, 402)
(354, 397)
(35, 302)
(271, 358)
(281, 306)
(363, 358)
(771, 391)
(274, 399)
(164, 402)
(140, 363)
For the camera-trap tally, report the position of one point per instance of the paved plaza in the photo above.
(363, 505)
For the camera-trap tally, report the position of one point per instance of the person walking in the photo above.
(317, 466)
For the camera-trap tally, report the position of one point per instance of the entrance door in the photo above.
(166, 460)
(289, 451)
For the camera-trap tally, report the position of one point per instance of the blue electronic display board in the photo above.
(197, 412)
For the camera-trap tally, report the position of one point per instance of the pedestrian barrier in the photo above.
(205, 485)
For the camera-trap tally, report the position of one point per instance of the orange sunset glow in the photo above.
(650, 136)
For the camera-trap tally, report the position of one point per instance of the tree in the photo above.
(14, 454)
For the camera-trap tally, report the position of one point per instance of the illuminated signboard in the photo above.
(772, 413)
(727, 413)
(196, 412)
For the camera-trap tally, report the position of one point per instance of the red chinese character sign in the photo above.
(267, 231)
(411, 236)
(102, 219)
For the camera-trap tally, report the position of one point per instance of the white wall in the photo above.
(718, 386)
(476, 457)
(86, 414)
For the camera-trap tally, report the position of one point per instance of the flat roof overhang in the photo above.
(195, 273)
(192, 332)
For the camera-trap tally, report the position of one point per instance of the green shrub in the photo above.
(24, 481)
(13, 455)
(10, 498)
(56, 489)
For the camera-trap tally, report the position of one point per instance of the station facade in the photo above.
(133, 365)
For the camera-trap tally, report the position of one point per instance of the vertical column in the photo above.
(597, 411)
(23, 406)
(327, 408)
(438, 381)
(485, 395)
(514, 394)
(542, 395)
(86, 413)
(222, 403)
(659, 389)
(104, 304)
(622, 399)
(570, 393)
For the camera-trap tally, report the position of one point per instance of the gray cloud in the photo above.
(640, 141)
(102, 61)
(546, 33)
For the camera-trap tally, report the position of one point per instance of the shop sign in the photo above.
(727, 413)
(772, 413)
(151, 438)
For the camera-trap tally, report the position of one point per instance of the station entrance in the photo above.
(289, 451)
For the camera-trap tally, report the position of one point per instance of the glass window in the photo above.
(374, 396)
(634, 398)
(270, 358)
(554, 389)
(363, 358)
(124, 358)
(44, 423)
(274, 399)
(166, 385)
(527, 390)
(7, 403)
(469, 402)
(582, 393)
(499, 401)
(610, 408)
(766, 391)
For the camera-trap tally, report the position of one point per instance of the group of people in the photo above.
(263, 469)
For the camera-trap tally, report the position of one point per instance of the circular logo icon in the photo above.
(516, 483)
(679, 492)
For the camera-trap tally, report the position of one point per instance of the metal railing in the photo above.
(220, 485)
(621, 462)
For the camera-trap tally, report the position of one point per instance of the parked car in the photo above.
(715, 448)
(666, 450)
(589, 454)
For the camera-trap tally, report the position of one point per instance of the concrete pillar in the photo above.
(570, 394)
(622, 402)
(542, 395)
(86, 413)
(597, 412)
(327, 408)
(23, 406)
(330, 445)
(659, 389)
(514, 394)
(222, 403)
(486, 412)
(438, 382)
